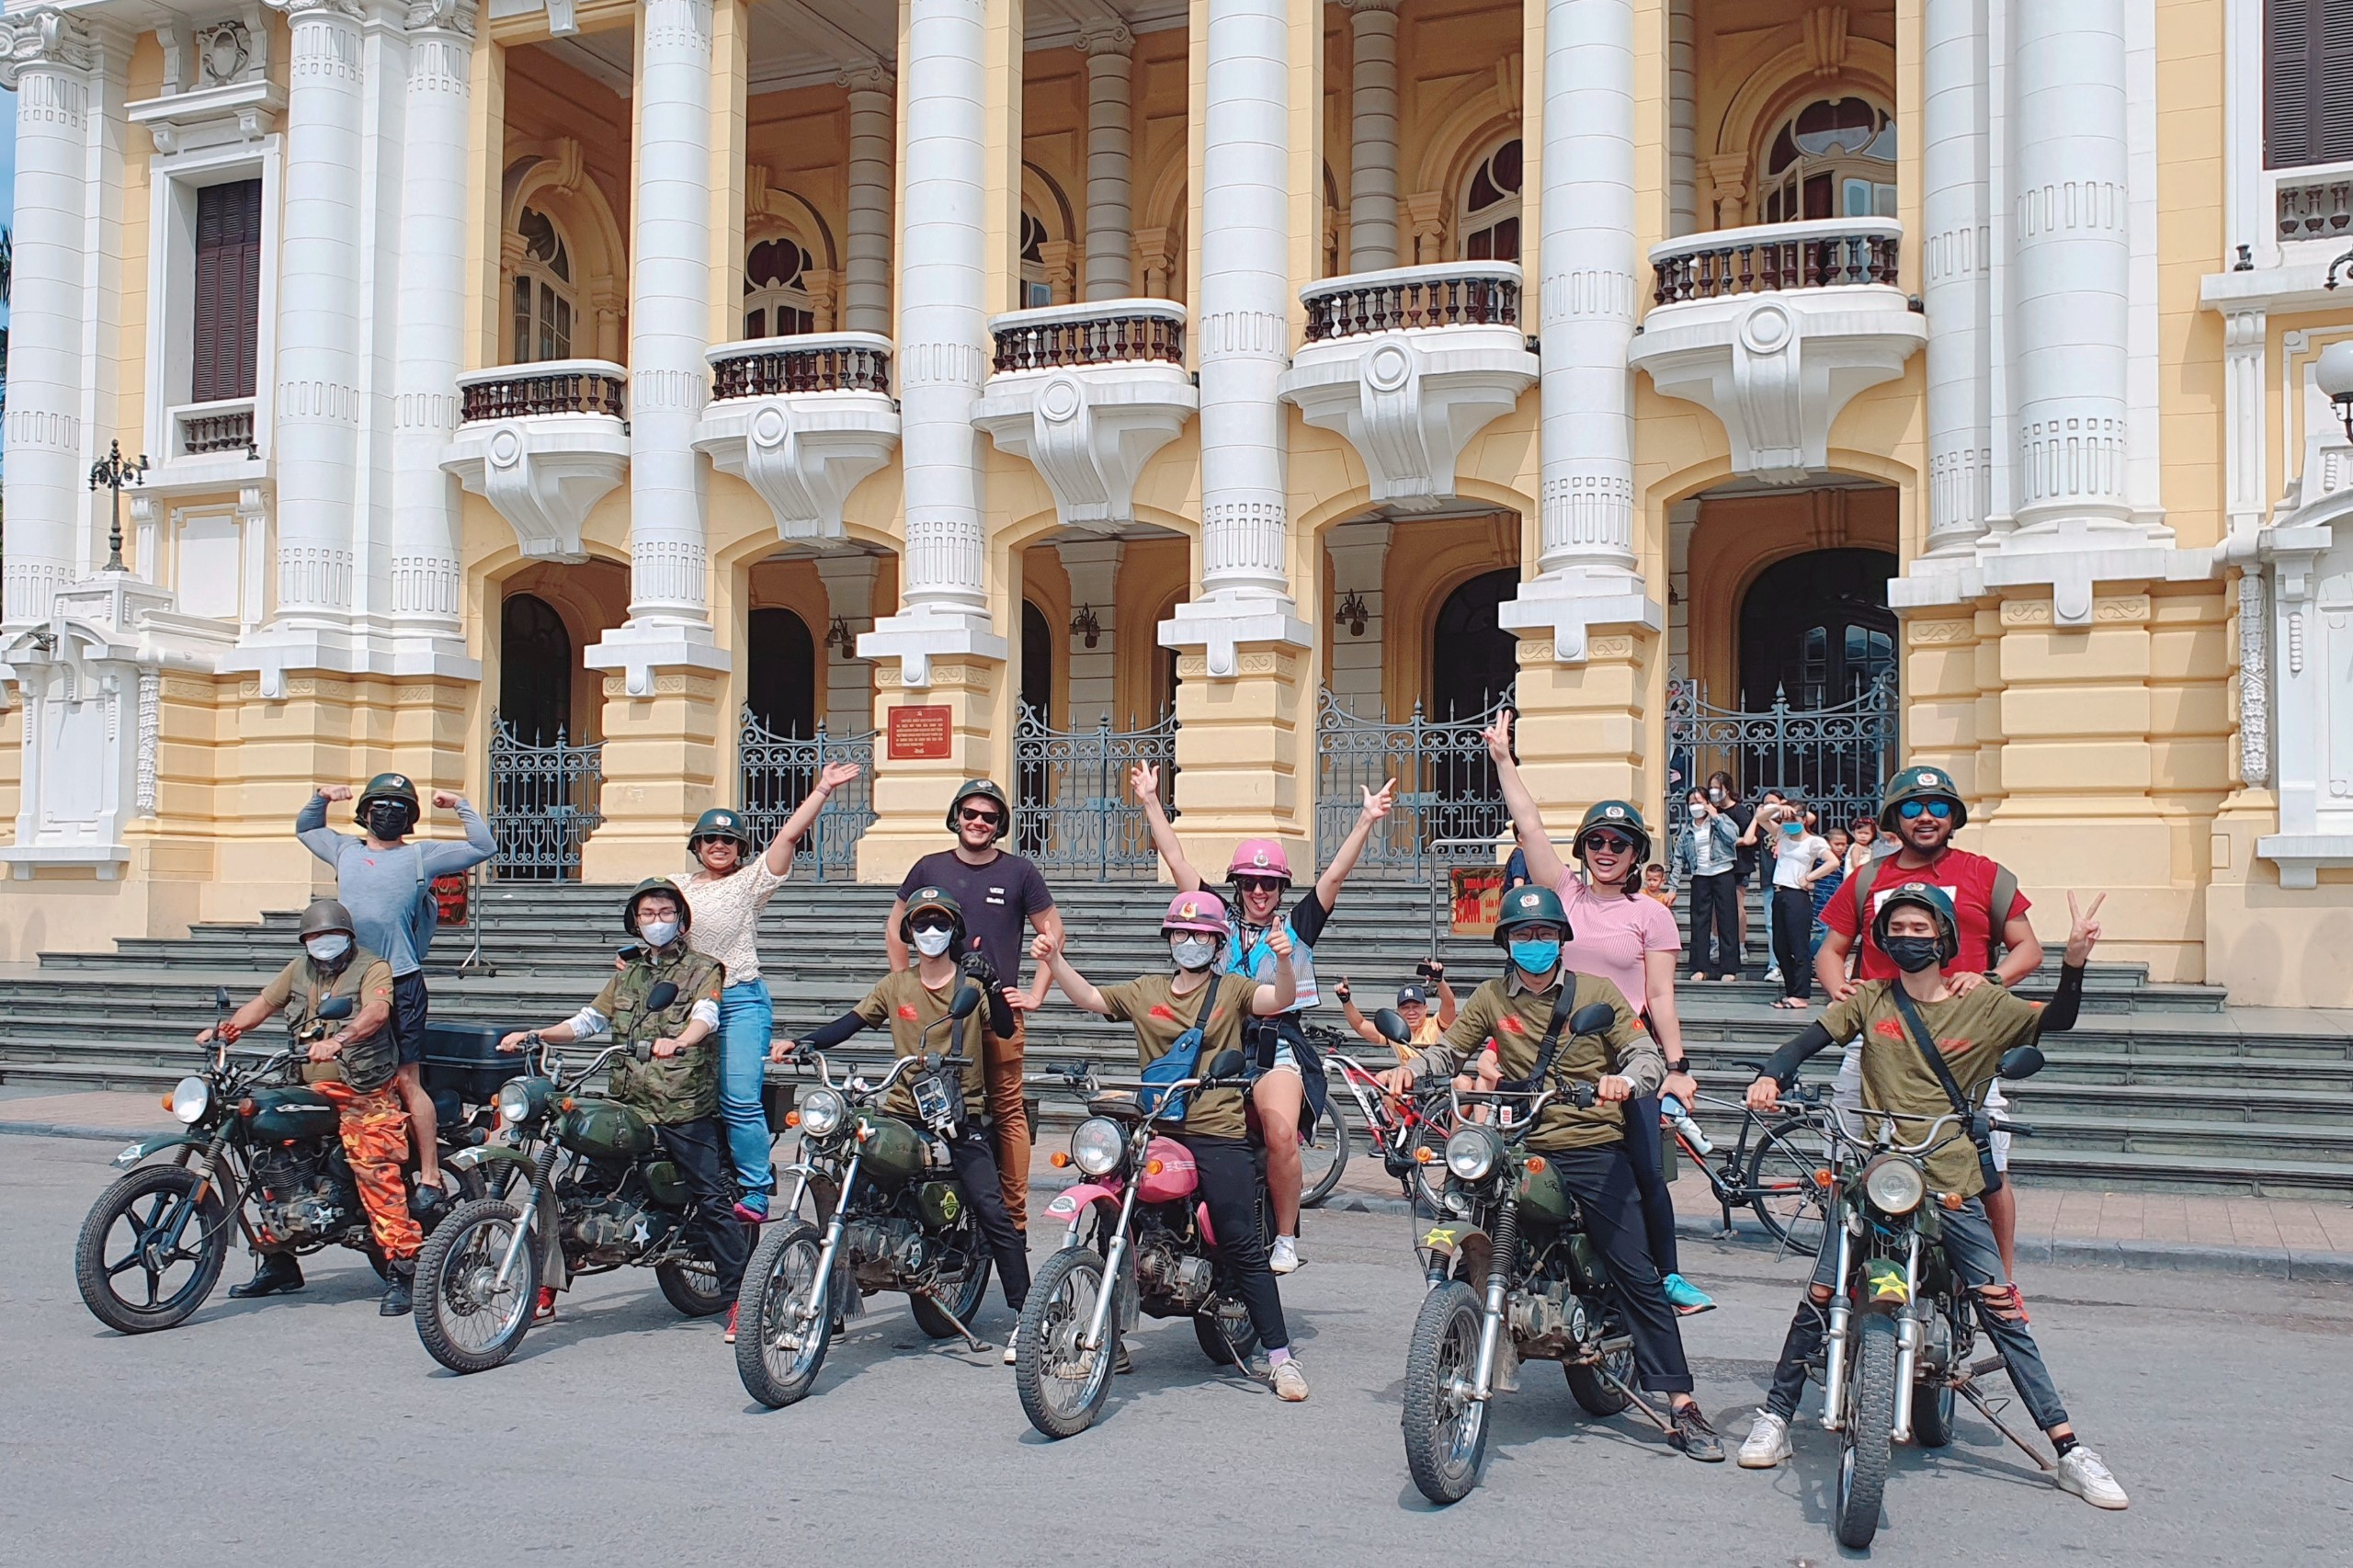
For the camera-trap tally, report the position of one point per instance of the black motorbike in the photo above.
(260, 1154)
(893, 1218)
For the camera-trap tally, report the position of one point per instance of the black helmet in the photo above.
(1530, 906)
(1937, 902)
(987, 787)
(651, 885)
(388, 787)
(720, 823)
(324, 916)
(931, 901)
(1921, 784)
(1624, 818)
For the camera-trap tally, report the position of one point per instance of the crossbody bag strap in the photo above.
(1917, 1028)
(1546, 1049)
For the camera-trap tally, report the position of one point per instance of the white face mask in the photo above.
(659, 933)
(326, 949)
(932, 940)
(1698, 810)
(1717, 796)
(1192, 952)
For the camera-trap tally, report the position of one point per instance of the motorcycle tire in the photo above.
(1446, 1434)
(1594, 1395)
(1933, 1400)
(782, 1274)
(1865, 1443)
(1061, 1299)
(964, 1292)
(1325, 1157)
(1227, 1338)
(168, 1194)
(455, 1319)
(692, 1287)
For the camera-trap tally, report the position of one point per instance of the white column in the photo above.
(849, 680)
(1110, 65)
(1682, 120)
(1093, 568)
(943, 342)
(866, 261)
(48, 62)
(1372, 135)
(1955, 273)
(427, 576)
(1360, 552)
(2073, 264)
(1587, 572)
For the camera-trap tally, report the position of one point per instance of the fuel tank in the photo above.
(297, 1111)
(891, 1150)
(605, 1130)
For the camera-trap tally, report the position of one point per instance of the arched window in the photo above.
(1490, 220)
(1815, 631)
(1472, 658)
(1834, 158)
(776, 289)
(544, 299)
(534, 671)
(1037, 290)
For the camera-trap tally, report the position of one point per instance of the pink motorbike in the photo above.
(1135, 1218)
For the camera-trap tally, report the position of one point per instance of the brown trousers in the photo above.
(1003, 1070)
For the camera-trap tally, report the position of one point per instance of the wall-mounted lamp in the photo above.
(840, 637)
(1352, 612)
(1083, 624)
(2335, 372)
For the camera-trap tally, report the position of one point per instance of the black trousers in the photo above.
(1603, 1181)
(1644, 1153)
(1715, 925)
(974, 1157)
(1793, 940)
(1228, 1178)
(698, 1148)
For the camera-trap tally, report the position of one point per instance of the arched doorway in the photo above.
(1815, 629)
(1472, 659)
(780, 674)
(535, 671)
(1037, 697)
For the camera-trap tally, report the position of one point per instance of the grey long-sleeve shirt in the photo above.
(381, 886)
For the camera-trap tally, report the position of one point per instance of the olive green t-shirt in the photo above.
(1150, 1005)
(301, 987)
(1972, 1032)
(909, 1008)
(1516, 1020)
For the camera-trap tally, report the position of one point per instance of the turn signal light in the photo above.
(792, 1118)
(247, 1108)
(566, 1103)
(168, 1102)
(1154, 1168)
(1823, 1180)
(1425, 1155)
(1535, 1166)
(1951, 1201)
(1058, 1159)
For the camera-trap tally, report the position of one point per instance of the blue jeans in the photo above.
(746, 1018)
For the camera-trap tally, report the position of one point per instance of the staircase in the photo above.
(2159, 1086)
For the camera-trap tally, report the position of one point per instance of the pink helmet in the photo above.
(1203, 911)
(1259, 858)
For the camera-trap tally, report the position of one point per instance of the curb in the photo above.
(69, 1130)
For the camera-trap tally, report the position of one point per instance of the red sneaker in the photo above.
(545, 1311)
(730, 1323)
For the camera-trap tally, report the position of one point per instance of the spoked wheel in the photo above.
(1780, 1171)
(692, 1287)
(1933, 1398)
(1446, 1429)
(1323, 1150)
(961, 1280)
(467, 1320)
(1062, 1385)
(1864, 1445)
(151, 1249)
(783, 1326)
(1226, 1334)
(1594, 1395)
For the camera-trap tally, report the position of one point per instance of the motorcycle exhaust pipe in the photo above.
(1908, 1329)
(1833, 1371)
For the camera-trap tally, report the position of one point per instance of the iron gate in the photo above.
(543, 805)
(779, 772)
(1834, 759)
(1073, 811)
(1446, 788)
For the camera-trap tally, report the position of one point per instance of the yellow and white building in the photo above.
(613, 370)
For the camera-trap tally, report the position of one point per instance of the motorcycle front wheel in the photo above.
(1062, 1385)
(151, 1249)
(1865, 1443)
(1323, 1155)
(962, 1282)
(784, 1324)
(1446, 1430)
(465, 1318)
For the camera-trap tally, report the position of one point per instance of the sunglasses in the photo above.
(1258, 884)
(1910, 810)
(932, 926)
(1616, 842)
(986, 819)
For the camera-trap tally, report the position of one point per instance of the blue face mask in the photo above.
(1536, 958)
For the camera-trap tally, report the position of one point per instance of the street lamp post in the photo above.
(114, 472)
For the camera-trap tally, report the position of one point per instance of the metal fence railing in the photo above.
(1073, 811)
(543, 805)
(779, 772)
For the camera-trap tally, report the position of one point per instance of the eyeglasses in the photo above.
(1910, 810)
(1616, 842)
(986, 819)
(1258, 884)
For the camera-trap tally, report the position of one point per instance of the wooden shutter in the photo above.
(228, 291)
(2307, 66)
(2332, 84)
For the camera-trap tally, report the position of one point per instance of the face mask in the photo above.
(659, 933)
(932, 940)
(388, 819)
(1717, 796)
(326, 949)
(1793, 828)
(1192, 953)
(1536, 958)
(1914, 954)
(1698, 810)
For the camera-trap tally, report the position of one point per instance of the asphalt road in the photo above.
(308, 1430)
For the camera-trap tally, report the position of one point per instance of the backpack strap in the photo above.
(1862, 880)
(2006, 893)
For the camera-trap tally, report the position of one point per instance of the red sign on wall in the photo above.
(920, 733)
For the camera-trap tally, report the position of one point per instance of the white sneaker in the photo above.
(1291, 1383)
(1013, 1345)
(2082, 1472)
(1284, 1255)
(1773, 975)
(1767, 1444)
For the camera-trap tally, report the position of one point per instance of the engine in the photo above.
(300, 1194)
(612, 1230)
(1548, 1319)
(1183, 1279)
(887, 1248)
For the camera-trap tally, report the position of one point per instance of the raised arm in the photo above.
(1447, 1006)
(442, 856)
(891, 944)
(310, 824)
(1075, 985)
(1356, 1020)
(1336, 875)
(1544, 867)
(804, 815)
(1144, 779)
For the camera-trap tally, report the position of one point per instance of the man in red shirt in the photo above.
(1923, 809)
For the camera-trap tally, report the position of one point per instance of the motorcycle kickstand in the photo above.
(1967, 1388)
(978, 1346)
(1636, 1400)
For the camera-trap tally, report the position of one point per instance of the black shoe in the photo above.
(400, 1291)
(1695, 1436)
(428, 1206)
(277, 1274)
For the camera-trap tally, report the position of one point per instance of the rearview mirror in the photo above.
(221, 996)
(1226, 1064)
(1392, 1025)
(658, 1000)
(1594, 1017)
(966, 1002)
(2020, 1062)
(335, 1007)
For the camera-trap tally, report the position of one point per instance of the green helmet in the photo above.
(720, 823)
(933, 901)
(652, 885)
(1530, 906)
(983, 787)
(388, 787)
(1927, 896)
(324, 915)
(1921, 784)
(1621, 816)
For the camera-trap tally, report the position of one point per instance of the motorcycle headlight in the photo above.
(822, 1113)
(519, 1100)
(1470, 1153)
(191, 1097)
(1097, 1146)
(1894, 1185)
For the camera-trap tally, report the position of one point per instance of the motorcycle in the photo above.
(1512, 1276)
(1896, 1350)
(894, 1219)
(582, 1186)
(255, 1146)
(1151, 1235)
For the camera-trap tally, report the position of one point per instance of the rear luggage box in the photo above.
(464, 1059)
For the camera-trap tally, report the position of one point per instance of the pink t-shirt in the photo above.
(1612, 935)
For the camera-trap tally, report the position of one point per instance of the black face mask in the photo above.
(388, 819)
(1913, 954)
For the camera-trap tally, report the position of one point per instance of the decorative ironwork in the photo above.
(206, 433)
(543, 805)
(1116, 336)
(1834, 759)
(778, 773)
(530, 390)
(1759, 261)
(1447, 807)
(2316, 209)
(1073, 811)
(782, 365)
(1463, 295)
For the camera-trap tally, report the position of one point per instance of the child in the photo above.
(1654, 884)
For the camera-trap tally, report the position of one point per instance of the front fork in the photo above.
(1491, 1320)
(1909, 1328)
(541, 1168)
(1098, 1326)
(1840, 1314)
(823, 1286)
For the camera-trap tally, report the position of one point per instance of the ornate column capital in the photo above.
(1102, 35)
(441, 15)
(1363, 7)
(869, 76)
(298, 10)
(47, 37)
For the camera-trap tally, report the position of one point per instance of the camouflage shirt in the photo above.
(683, 1087)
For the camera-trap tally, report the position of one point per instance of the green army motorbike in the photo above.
(895, 1217)
(581, 1187)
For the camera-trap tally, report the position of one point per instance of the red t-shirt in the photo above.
(1968, 877)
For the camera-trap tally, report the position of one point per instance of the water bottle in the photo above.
(1671, 1108)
